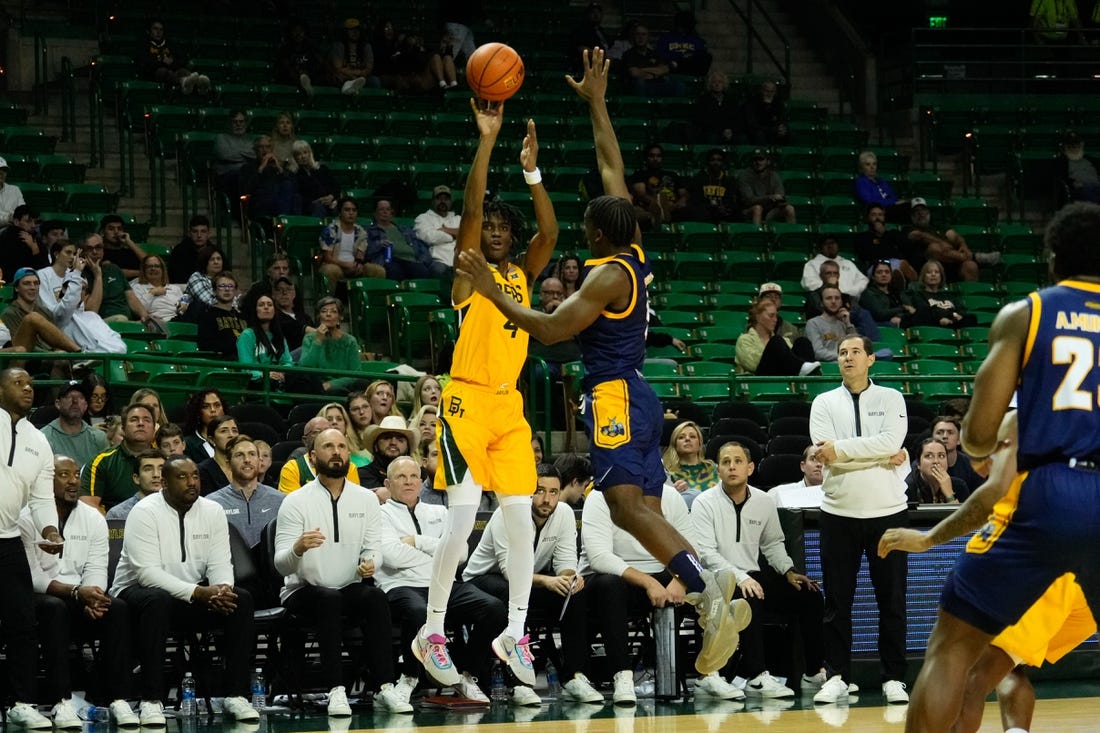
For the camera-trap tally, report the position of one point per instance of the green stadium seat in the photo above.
(42, 197)
(368, 313)
(797, 238)
(59, 169)
(408, 312)
(239, 96)
(934, 334)
(747, 237)
(720, 351)
(88, 197)
(26, 141)
(281, 96)
(317, 123)
(919, 367)
(681, 301)
(409, 124)
(249, 72)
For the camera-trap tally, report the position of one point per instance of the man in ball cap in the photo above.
(10, 196)
(353, 59)
(1075, 170)
(438, 227)
(68, 434)
(29, 326)
(773, 292)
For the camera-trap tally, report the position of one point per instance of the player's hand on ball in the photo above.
(472, 266)
(905, 540)
(594, 83)
(488, 116)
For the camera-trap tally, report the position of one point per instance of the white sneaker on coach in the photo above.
(712, 685)
(524, 696)
(338, 706)
(390, 699)
(151, 714)
(467, 688)
(834, 689)
(580, 689)
(765, 685)
(65, 717)
(405, 686)
(814, 682)
(27, 716)
(624, 688)
(240, 709)
(894, 692)
(124, 715)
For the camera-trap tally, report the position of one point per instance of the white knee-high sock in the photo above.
(462, 502)
(520, 530)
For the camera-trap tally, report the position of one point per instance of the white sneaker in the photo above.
(765, 685)
(405, 686)
(151, 714)
(467, 687)
(853, 688)
(623, 685)
(338, 703)
(123, 714)
(353, 86)
(240, 709)
(814, 682)
(580, 689)
(390, 699)
(27, 716)
(712, 685)
(808, 368)
(516, 653)
(307, 84)
(524, 696)
(894, 692)
(202, 84)
(187, 83)
(65, 717)
(834, 689)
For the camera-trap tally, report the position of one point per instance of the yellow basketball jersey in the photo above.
(491, 350)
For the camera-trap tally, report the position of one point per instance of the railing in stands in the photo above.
(754, 10)
(68, 100)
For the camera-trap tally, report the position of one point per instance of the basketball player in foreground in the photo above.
(608, 315)
(1056, 624)
(1046, 344)
(484, 441)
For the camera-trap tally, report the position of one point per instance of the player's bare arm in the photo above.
(996, 379)
(541, 246)
(605, 286)
(593, 89)
(489, 118)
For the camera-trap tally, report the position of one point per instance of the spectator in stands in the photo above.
(386, 441)
(870, 189)
(826, 331)
(645, 74)
(764, 351)
(118, 247)
(1079, 173)
(330, 347)
(689, 471)
(568, 272)
(712, 193)
(948, 248)
(343, 245)
(147, 478)
(734, 525)
(63, 293)
(249, 504)
(108, 479)
(412, 532)
(299, 469)
(929, 482)
(884, 300)
(946, 430)
(555, 577)
(268, 183)
(458, 18)
(184, 257)
(297, 61)
(18, 246)
(49, 233)
(585, 36)
(67, 433)
(100, 404)
(316, 185)
(149, 397)
(352, 59)
(276, 267)
(659, 195)
(293, 320)
(426, 391)
(338, 418)
(682, 48)
(160, 298)
(878, 243)
(403, 64)
(576, 477)
(774, 293)
(118, 301)
(441, 64)
(71, 602)
(396, 247)
(427, 455)
(263, 343)
(159, 588)
(221, 324)
(717, 118)
(804, 494)
(47, 335)
(170, 439)
(214, 471)
(766, 117)
(202, 407)
(438, 228)
(424, 422)
(10, 196)
(232, 151)
(328, 581)
(852, 280)
(760, 189)
(157, 61)
(935, 305)
(830, 276)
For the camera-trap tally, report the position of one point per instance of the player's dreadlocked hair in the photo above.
(495, 207)
(613, 216)
(1072, 237)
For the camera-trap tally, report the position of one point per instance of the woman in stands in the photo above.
(423, 422)
(569, 272)
(934, 304)
(160, 297)
(263, 343)
(337, 416)
(687, 468)
(886, 303)
(100, 404)
(203, 406)
(283, 138)
(316, 185)
(870, 189)
(929, 482)
(764, 353)
(200, 286)
(426, 391)
(330, 347)
(150, 398)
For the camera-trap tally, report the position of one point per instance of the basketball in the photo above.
(494, 72)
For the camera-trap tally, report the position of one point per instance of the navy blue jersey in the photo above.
(613, 347)
(1059, 391)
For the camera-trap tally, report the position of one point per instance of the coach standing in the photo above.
(26, 479)
(858, 429)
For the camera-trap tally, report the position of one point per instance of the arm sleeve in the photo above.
(597, 535)
(565, 552)
(886, 441)
(816, 334)
(289, 528)
(372, 542)
(246, 351)
(312, 353)
(427, 228)
(41, 501)
(747, 352)
(219, 564)
(95, 568)
(811, 274)
(399, 556)
(142, 546)
(706, 539)
(40, 576)
(772, 544)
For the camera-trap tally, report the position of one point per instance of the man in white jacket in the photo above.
(328, 544)
(175, 539)
(438, 227)
(852, 281)
(858, 428)
(411, 532)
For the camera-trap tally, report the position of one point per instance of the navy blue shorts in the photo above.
(1047, 524)
(624, 420)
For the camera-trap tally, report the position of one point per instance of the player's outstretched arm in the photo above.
(593, 89)
(489, 118)
(996, 379)
(541, 246)
(601, 287)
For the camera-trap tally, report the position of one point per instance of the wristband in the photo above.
(532, 177)
(76, 593)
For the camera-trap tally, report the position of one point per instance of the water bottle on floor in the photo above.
(497, 691)
(259, 691)
(188, 709)
(94, 714)
(553, 684)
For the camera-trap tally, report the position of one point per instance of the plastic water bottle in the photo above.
(94, 714)
(181, 305)
(553, 685)
(187, 696)
(388, 253)
(259, 691)
(497, 691)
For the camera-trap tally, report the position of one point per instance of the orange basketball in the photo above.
(494, 72)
